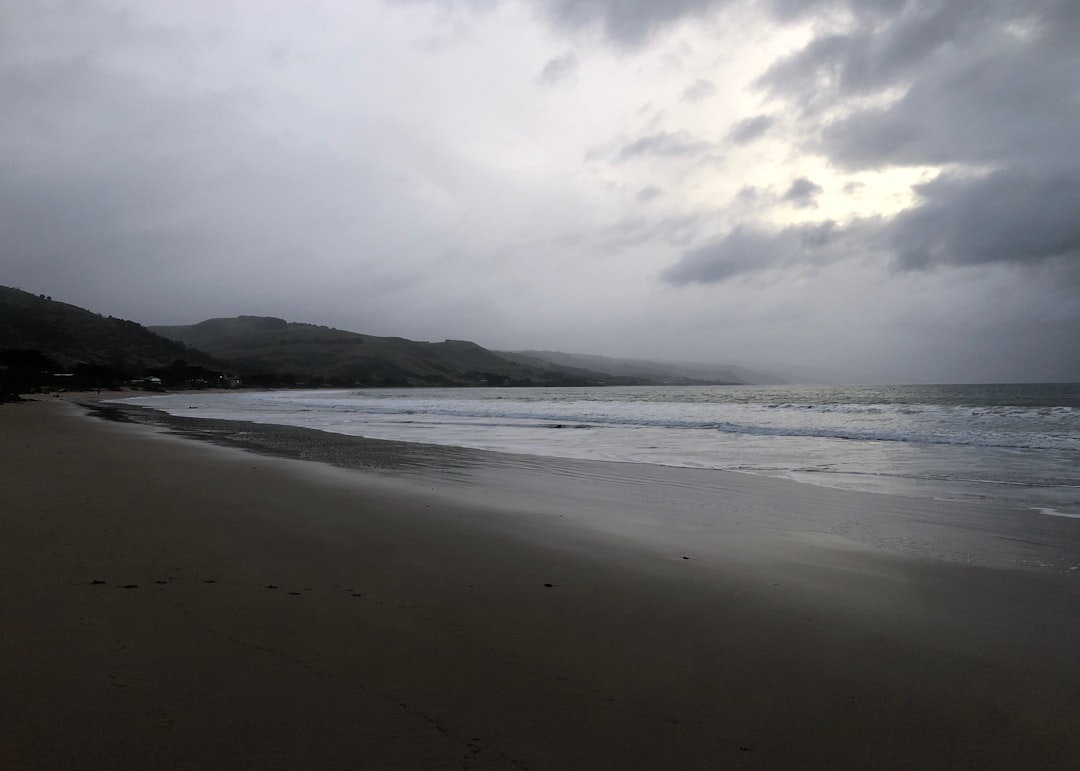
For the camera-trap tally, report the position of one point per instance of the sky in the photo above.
(881, 190)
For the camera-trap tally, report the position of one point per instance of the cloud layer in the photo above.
(888, 189)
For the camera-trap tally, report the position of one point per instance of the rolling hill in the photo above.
(40, 335)
(69, 335)
(264, 345)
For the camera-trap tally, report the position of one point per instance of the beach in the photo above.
(169, 603)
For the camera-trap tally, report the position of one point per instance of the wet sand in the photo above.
(167, 603)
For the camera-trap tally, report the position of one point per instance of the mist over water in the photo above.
(1018, 444)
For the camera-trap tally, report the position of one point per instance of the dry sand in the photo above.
(165, 604)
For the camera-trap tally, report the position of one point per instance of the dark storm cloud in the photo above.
(992, 83)
(958, 222)
(887, 43)
(752, 250)
(665, 144)
(802, 193)
(990, 220)
(987, 89)
(1017, 106)
(749, 129)
(699, 90)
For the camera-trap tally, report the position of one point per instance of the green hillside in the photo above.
(255, 345)
(40, 337)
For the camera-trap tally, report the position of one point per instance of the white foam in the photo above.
(1054, 512)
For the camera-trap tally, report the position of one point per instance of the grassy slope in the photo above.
(254, 345)
(268, 344)
(70, 335)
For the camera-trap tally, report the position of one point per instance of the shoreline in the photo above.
(876, 441)
(619, 496)
(257, 612)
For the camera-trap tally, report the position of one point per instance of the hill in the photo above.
(70, 335)
(262, 345)
(50, 344)
(40, 336)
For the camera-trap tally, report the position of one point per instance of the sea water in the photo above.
(1018, 444)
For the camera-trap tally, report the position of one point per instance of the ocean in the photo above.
(1017, 445)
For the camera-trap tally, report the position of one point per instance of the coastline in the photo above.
(290, 614)
(685, 507)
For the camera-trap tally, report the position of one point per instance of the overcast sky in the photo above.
(887, 190)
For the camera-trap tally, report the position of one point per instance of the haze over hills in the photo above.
(264, 344)
(260, 343)
(671, 373)
(39, 334)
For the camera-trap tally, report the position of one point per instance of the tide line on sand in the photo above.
(1051, 512)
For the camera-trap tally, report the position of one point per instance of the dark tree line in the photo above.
(24, 371)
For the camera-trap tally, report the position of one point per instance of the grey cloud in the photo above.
(974, 77)
(986, 89)
(1010, 107)
(665, 144)
(1007, 216)
(559, 69)
(154, 164)
(627, 23)
(794, 10)
(648, 194)
(886, 46)
(747, 250)
(802, 193)
(699, 90)
(747, 194)
(746, 131)
(1061, 23)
